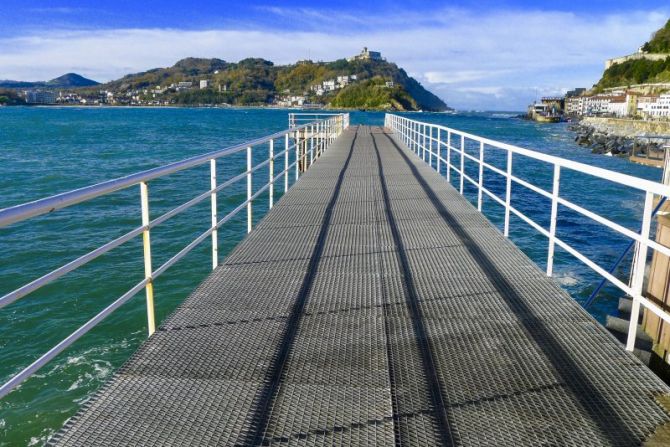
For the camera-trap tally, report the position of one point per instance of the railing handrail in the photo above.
(45, 205)
(613, 176)
(418, 136)
(312, 138)
(297, 117)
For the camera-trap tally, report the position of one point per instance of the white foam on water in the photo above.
(566, 279)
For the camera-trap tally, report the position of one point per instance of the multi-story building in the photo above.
(618, 106)
(342, 81)
(329, 85)
(575, 105)
(654, 107)
(40, 97)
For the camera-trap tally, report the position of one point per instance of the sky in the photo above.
(475, 55)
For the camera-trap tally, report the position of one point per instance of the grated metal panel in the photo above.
(373, 305)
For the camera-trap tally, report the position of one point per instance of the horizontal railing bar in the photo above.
(85, 259)
(466, 155)
(646, 302)
(529, 221)
(601, 271)
(493, 196)
(232, 214)
(314, 114)
(494, 169)
(183, 252)
(198, 199)
(72, 265)
(468, 178)
(259, 165)
(281, 174)
(259, 192)
(60, 347)
(532, 187)
(608, 223)
(204, 235)
(24, 211)
(181, 208)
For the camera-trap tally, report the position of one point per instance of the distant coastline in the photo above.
(365, 81)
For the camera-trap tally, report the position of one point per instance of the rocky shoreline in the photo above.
(606, 136)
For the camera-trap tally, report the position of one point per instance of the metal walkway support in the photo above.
(374, 305)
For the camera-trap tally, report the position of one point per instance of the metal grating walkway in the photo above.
(374, 305)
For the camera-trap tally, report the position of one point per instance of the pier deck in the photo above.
(374, 305)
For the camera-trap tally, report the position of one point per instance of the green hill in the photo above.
(641, 71)
(638, 71)
(374, 94)
(256, 81)
(660, 41)
(68, 80)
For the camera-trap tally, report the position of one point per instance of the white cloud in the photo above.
(457, 54)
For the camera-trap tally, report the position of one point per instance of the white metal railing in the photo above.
(297, 119)
(309, 140)
(429, 141)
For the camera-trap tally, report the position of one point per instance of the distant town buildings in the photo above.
(620, 103)
(183, 85)
(331, 85)
(204, 83)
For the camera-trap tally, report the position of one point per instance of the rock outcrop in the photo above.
(620, 137)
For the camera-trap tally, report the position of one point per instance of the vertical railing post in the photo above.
(480, 180)
(408, 133)
(271, 169)
(215, 233)
(449, 156)
(439, 149)
(416, 140)
(286, 173)
(423, 139)
(297, 157)
(639, 264)
(554, 216)
(462, 161)
(146, 244)
(311, 144)
(415, 135)
(430, 146)
(508, 192)
(249, 188)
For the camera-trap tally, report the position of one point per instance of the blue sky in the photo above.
(483, 55)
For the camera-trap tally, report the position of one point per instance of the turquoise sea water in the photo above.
(44, 151)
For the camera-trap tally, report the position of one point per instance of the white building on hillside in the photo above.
(618, 106)
(329, 85)
(658, 107)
